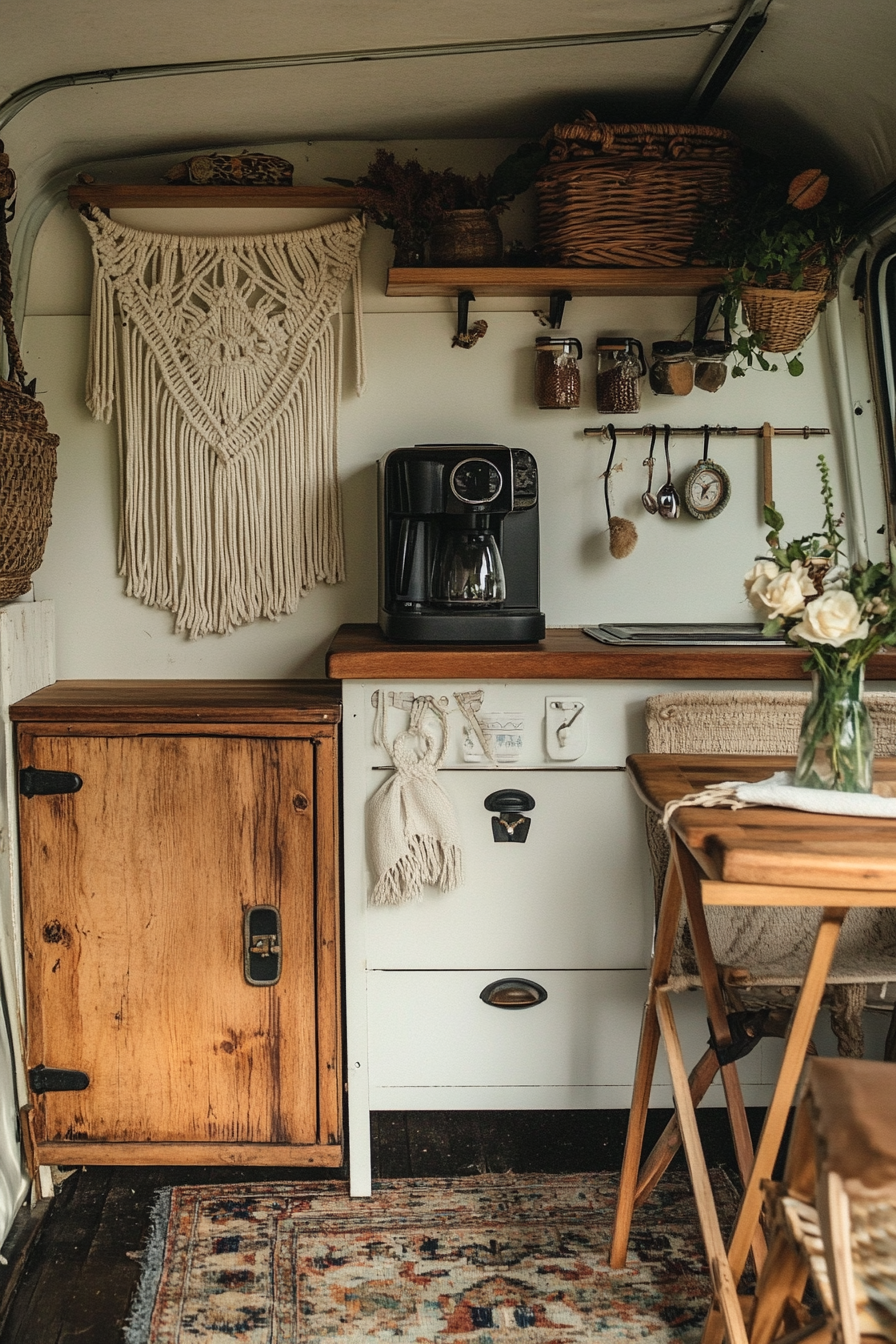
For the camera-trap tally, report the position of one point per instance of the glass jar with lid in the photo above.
(710, 369)
(672, 370)
(620, 368)
(557, 378)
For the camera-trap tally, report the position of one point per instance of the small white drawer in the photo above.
(431, 1029)
(578, 894)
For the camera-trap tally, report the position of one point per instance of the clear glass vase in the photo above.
(836, 748)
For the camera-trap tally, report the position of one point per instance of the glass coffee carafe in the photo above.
(468, 569)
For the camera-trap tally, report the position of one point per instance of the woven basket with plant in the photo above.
(27, 449)
(629, 194)
(782, 245)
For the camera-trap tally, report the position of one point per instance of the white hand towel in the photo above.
(412, 832)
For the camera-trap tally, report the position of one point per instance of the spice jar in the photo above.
(710, 369)
(672, 370)
(620, 368)
(557, 379)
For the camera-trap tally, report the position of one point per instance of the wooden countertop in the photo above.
(182, 702)
(362, 652)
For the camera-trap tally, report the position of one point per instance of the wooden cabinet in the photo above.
(200, 802)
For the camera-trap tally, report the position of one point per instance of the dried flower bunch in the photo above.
(841, 614)
(407, 195)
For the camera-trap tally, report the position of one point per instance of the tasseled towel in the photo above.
(412, 833)
(227, 369)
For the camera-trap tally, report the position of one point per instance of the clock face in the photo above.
(707, 490)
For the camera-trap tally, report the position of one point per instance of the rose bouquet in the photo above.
(841, 614)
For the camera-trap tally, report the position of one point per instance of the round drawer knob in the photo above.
(513, 993)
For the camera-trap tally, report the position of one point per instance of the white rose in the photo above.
(757, 579)
(786, 595)
(834, 618)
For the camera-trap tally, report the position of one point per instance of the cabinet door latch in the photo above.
(42, 1079)
(262, 950)
(33, 783)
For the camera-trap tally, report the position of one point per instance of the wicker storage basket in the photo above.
(27, 449)
(27, 473)
(629, 195)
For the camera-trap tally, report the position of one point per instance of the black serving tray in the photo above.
(674, 634)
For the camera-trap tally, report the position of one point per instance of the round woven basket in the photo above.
(782, 317)
(466, 238)
(27, 474)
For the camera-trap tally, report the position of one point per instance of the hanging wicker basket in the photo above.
(785, 317)
(27, 448)
(629, 195)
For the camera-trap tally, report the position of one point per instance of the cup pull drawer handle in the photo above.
(513, 993)
(262, 950)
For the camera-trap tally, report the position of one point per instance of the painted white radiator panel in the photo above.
(577, 894)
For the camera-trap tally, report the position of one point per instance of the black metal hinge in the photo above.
(43, 1079)
(34, 782)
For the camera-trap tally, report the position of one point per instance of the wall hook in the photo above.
(559, 299)
(464, 338)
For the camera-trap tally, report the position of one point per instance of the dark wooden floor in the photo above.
(84, 1264)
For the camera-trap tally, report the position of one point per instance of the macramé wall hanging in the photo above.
(223, 357)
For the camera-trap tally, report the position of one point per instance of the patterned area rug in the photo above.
(473, 1260)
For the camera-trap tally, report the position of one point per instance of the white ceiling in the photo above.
(816, 88)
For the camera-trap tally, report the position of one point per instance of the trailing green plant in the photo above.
(771, 233)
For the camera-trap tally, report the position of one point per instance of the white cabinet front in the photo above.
(431, 1029)
(576, 894)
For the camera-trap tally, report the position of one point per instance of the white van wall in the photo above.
(421, 390)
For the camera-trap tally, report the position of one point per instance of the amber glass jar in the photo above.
(672, 370)
(557, 378)
(710, 369)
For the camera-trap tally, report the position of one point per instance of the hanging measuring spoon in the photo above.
(707, 489)
(668, 502)
(648, 499)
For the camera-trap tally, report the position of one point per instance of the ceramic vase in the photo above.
(836, 747)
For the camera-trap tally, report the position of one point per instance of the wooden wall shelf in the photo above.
(116, 196)
(520, 281)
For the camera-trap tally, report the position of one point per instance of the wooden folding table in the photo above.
(750, 856)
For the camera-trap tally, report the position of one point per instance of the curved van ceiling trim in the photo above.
(24, 96)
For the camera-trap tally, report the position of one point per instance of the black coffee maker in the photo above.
(459, 544)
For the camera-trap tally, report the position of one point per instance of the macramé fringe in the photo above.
(428, 862)
(222, 355)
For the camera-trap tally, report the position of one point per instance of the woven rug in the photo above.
(474, 1260)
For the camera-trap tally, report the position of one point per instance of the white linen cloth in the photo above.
(412, 833)
(779, 791)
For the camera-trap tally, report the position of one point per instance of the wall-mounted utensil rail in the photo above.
(765, 432)
(721, 431)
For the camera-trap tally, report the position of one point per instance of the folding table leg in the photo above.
(723, 1282)
(718, 1017)
(669, 1142)
(799, 1034)
(667, 927)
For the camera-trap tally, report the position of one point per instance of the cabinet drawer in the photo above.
(431, 1029)
(577, 894)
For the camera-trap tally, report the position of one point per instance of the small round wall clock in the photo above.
(707, 489)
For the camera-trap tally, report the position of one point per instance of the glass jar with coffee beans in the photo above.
(620, 368)
(557, 378)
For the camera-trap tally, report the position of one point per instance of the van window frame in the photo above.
(881, 300)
